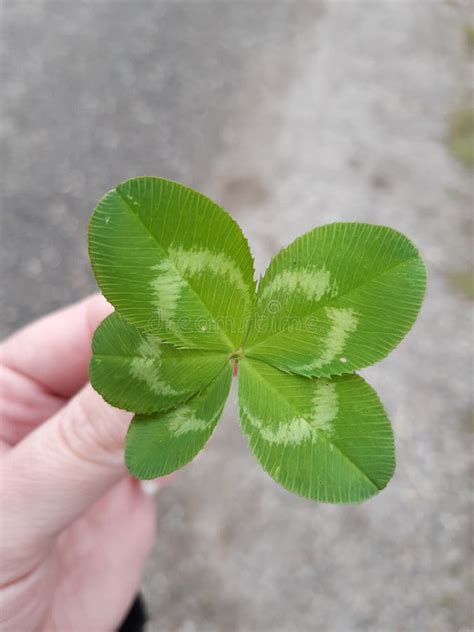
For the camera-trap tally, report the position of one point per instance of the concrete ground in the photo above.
(291, 114)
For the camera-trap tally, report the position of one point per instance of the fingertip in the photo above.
(97, 308)
(153, 487)
(55, 351)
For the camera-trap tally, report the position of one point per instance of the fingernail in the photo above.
(153, 486)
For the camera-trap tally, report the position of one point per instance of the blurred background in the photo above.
(290, 114)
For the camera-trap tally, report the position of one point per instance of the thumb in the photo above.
(61, 468)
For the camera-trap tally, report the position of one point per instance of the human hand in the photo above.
(75, 529)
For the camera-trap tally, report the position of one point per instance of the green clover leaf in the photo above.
(141, 373)
(173, 264)
(337, 299)
(180, 275)
(324, 438)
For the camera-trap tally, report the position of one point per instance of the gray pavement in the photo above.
(291, 114)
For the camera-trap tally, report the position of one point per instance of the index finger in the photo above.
(55, 351)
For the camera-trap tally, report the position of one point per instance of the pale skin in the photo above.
(76, 530)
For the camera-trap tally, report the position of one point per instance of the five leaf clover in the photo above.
(179, 272)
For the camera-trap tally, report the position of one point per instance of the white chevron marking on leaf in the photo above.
(326, 406)
(313, 284)
(167, 288)
(298, 429)
(195, 262)
(183, 420)
(146, 367)
(343, 323)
